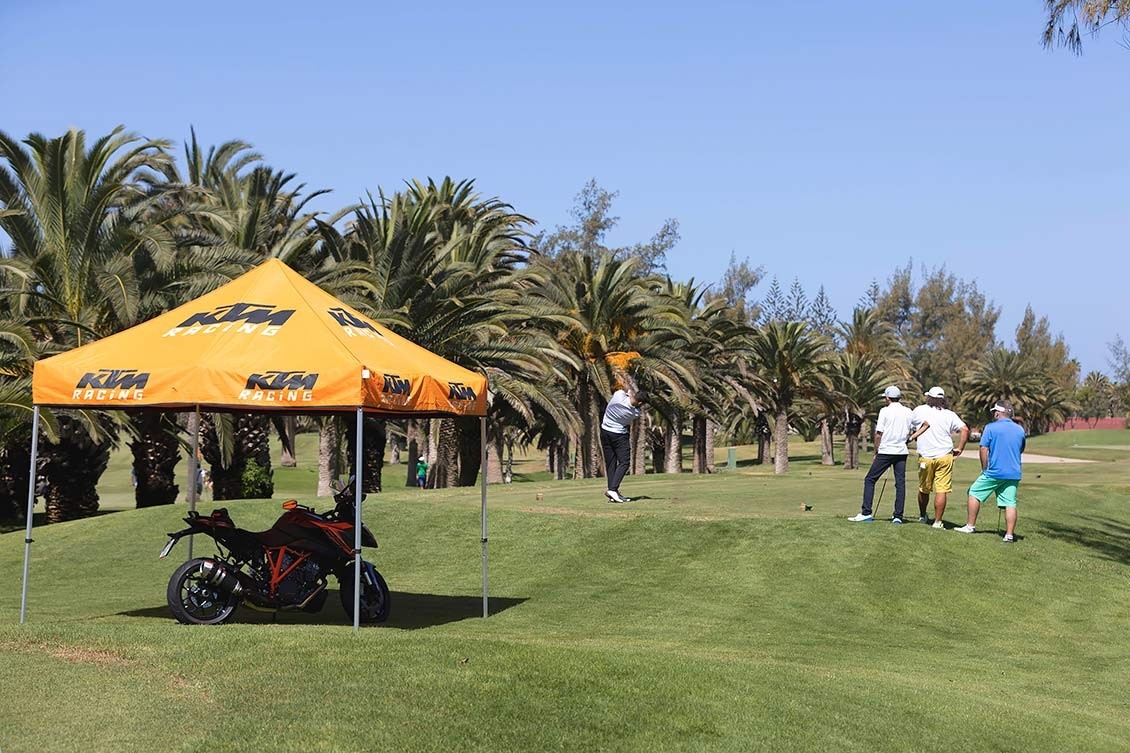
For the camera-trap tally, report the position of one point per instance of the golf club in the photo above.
(999, 508)
(883, 488)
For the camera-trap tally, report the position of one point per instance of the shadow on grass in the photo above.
(39, 520)
(1108, 538)
(410, 611)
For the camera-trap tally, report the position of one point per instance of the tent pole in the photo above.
(483, 514)
(30, 507)
(358, 454)
(193, 471)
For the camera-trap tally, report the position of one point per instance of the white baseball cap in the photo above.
(892, 392)
(935, 392)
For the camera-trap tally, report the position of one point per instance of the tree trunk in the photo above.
(827, 452)
(657, 441)
(287, 427)
(494, 454)
(851, 451)
(591, 460)
(250, 445)
(640, 439)
(414, 445)
(227, 479)
(393, 442)
(444, 472)
(508, 469)
(156, 452)
(711, 429)
(673, 441)
(781, 440)
(15, 465)
(469, 448)
(562, 464)
(373, 434)
(327, 456)
(698, 432)
(71, 470)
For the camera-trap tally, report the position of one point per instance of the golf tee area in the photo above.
(711, 613)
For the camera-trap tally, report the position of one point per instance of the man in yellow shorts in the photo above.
(935, 424)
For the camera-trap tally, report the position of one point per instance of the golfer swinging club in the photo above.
(891, 432)
(615, 442)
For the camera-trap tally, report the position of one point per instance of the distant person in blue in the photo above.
(1002, 442)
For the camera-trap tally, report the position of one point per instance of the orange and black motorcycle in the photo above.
(284, 567)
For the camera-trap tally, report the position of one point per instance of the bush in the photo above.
(258, 482)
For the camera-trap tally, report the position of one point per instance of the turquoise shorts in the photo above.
(1004, 488)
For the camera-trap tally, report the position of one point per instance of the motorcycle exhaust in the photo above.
(221, 577)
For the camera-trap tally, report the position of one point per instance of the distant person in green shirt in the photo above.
(421, 473)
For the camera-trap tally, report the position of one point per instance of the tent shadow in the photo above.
(410, 611)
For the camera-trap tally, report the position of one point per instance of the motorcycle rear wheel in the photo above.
(194, 602)
(375, 601)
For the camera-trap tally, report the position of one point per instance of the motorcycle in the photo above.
(284, 567)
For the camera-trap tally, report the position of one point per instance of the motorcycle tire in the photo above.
(194, 602)
(375, 601)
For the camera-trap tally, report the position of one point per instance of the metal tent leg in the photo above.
(193, 472)
(359, 453)
(30, 508)
(483, 514)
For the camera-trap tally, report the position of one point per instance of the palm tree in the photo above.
(793, 362)
(443, 269)
(245, 212)
(18, 352)
(83, 222)
(1096, 397)
(601, 307)
(723, 386)
(858, 380)
(1004, 374)
(868, 335)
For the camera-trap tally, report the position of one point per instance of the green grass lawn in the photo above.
(712, 614)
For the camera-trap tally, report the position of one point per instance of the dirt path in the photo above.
(1029, 457)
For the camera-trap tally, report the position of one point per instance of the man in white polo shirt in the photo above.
(891, 432)
(615, 440)
(935, 424)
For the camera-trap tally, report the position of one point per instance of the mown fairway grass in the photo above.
(712, 615)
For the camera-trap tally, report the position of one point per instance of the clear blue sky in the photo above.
(829, 141)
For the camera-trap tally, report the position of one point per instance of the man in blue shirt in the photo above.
(1002, 442)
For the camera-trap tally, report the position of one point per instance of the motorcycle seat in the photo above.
(273, 537)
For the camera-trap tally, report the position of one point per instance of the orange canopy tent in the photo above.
(269, 340)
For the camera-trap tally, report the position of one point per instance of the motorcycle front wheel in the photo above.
(195, 602)
(375, 600)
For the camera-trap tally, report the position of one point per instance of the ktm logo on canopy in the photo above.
(244, 318)
(111, 384)
(279, 387)
(460, 391)
(354, 326)
(395, 391)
